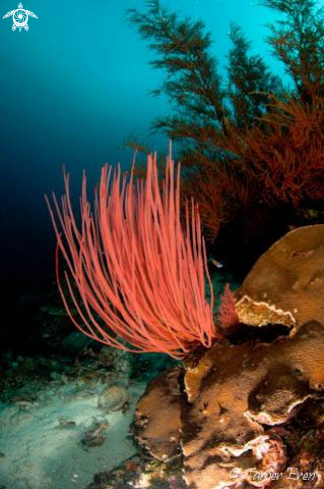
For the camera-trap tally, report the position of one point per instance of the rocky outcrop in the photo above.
(227, 408)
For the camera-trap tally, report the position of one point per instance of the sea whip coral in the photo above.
(135, 275)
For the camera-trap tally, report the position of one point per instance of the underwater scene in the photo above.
(162, 244)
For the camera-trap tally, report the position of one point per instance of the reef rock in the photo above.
(226, 409)
(235, 395)
(114, 398)
(157, 416)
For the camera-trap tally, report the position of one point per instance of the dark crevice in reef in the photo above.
(264, 334)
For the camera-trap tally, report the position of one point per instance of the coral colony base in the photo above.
(135, 265)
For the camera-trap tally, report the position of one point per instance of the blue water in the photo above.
(72, 90)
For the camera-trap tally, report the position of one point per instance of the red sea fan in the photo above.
(227, 315)
(134, 275)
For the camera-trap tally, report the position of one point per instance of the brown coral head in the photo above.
(286, 284)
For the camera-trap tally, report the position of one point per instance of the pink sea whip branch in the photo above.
(132, 264)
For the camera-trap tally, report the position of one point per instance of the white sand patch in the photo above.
(41, 441)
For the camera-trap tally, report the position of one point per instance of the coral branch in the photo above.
(135, 276)
(227, 315)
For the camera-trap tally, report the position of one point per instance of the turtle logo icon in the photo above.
(20, 18)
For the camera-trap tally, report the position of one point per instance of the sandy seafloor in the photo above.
(62, 425)
(42, 441)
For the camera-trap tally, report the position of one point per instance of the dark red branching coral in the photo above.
(279, 161)
(136, 277)
(227, 315)
(256, 146)
(207, 189)
(288, 154)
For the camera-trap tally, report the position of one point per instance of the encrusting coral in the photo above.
(287, 282)
(235, 395)
(235, 400)
(158, 416)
